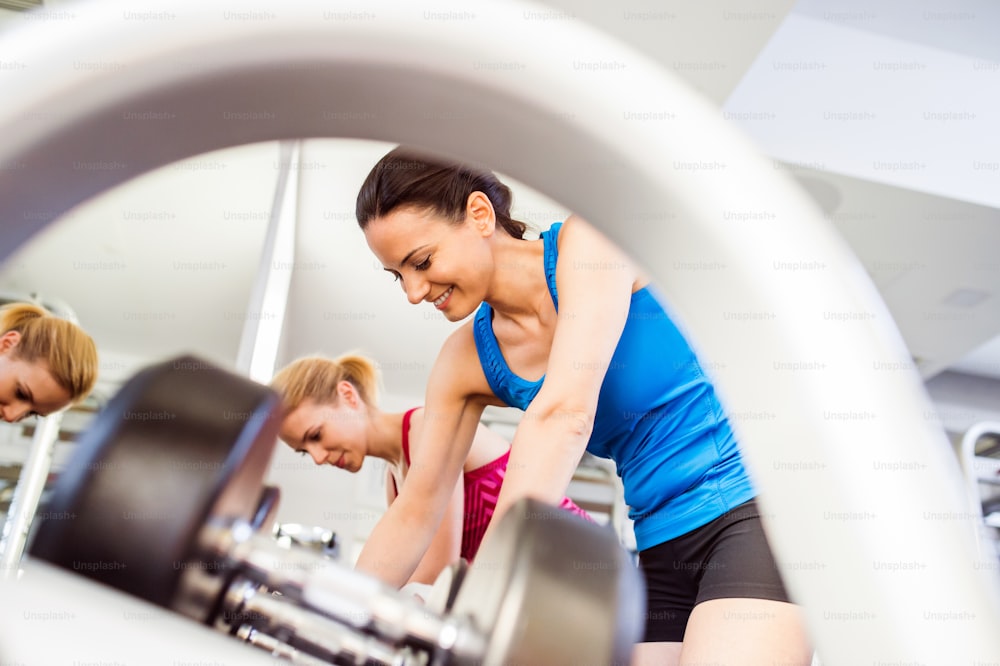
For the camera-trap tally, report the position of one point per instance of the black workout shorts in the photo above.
(727, 558)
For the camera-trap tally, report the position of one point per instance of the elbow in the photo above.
(579, 422)
(573, 420)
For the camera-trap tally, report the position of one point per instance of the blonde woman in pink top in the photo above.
(332, 415)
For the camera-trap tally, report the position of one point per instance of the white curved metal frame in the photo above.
(851, 463)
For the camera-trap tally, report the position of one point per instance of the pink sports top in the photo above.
(482, 486)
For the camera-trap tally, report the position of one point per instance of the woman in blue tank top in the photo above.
(569, 330)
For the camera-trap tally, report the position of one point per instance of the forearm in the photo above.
(387, 556)
(544, 455)
(401, 538)
(450, 418)
(445, 548)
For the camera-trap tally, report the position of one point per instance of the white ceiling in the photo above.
(887, 112)
(896, 109)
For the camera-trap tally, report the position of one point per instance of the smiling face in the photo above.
(436, 261)
(330, 434)
(27, 388)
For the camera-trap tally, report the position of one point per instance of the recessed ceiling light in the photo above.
(965, 298)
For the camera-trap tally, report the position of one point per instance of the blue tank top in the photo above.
(657, 417)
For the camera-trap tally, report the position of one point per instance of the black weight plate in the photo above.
(182, 443)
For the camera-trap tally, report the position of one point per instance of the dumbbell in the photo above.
(166, 492)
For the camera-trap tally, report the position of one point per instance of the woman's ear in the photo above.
(479, 209)
(347, 393)
(9, 340)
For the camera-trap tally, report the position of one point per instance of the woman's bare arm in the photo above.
(446, 547)
(451, 416)
(595, 281)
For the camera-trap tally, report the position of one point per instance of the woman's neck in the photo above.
(385, 436)
(518, 287)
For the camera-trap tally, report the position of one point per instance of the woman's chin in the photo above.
(454, 313)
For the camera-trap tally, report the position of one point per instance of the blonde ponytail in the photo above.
(361, 372)
(316, 378)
